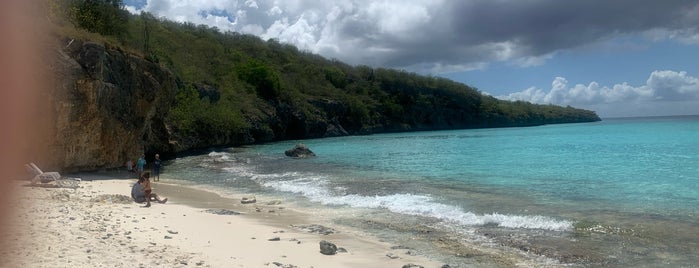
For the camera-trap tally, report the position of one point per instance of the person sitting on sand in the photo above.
(141, 191)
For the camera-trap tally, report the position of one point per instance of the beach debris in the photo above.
(341, 250)
(276, 238)
(248, 200)
(410, 265)
(279, 264)
(183, 259)
(172, 232)
(112, 198)
(315, 228)
(392, 256)
(168, 237)
(222, 212)
(273, 203)
(61, 196)
(299, 151)
(327, 248)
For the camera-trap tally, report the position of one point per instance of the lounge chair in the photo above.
(40, 176)
(47, 177)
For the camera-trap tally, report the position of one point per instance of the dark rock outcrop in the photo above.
(299, 151)
(327, 248)
(206, 90)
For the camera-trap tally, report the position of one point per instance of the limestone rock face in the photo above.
(105, 105)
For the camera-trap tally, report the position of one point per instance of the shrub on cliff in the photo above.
(106, 17)
(194, 116)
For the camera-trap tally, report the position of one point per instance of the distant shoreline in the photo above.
(650, 117)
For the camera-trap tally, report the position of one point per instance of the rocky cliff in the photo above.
(105, 106)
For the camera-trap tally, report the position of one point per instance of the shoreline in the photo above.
(99, 224)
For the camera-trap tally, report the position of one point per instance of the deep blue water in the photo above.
(590, 185)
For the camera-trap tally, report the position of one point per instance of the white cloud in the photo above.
(132, 9)
(274, 11)
(531, 61)
(301, 33)
(661, 91)
(251, 3)
(431, 34)
(669, 85)
(254, 29)
(397, 17)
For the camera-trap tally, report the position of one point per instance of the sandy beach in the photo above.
(98, 225)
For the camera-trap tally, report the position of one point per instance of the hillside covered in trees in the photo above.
(234, 88)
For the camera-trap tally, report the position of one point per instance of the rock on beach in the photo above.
(327, 248)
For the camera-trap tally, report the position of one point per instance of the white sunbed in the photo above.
(46, 177)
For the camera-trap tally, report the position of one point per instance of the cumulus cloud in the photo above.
(422, 35)
(675, 92)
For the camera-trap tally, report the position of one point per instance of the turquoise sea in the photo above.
(615, 193)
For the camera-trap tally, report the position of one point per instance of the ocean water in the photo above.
(615, 193)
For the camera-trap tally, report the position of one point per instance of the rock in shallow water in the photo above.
(315, 228)
(299, 151)
(222, 212)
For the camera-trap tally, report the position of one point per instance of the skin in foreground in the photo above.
(19, 87)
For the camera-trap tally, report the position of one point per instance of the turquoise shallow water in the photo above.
(621, 192)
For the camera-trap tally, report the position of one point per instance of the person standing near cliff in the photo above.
(129, 166)
(140, 164)
(156, 168)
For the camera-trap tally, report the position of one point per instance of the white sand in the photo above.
(58, 227)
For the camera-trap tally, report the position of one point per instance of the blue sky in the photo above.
(607, 67)
(619, 58)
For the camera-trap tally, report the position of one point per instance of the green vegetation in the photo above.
(237, 88)
(106, 17)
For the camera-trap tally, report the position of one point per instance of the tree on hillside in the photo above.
(106, 17)
(263, 78)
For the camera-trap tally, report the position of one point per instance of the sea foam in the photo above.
(316, 189)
